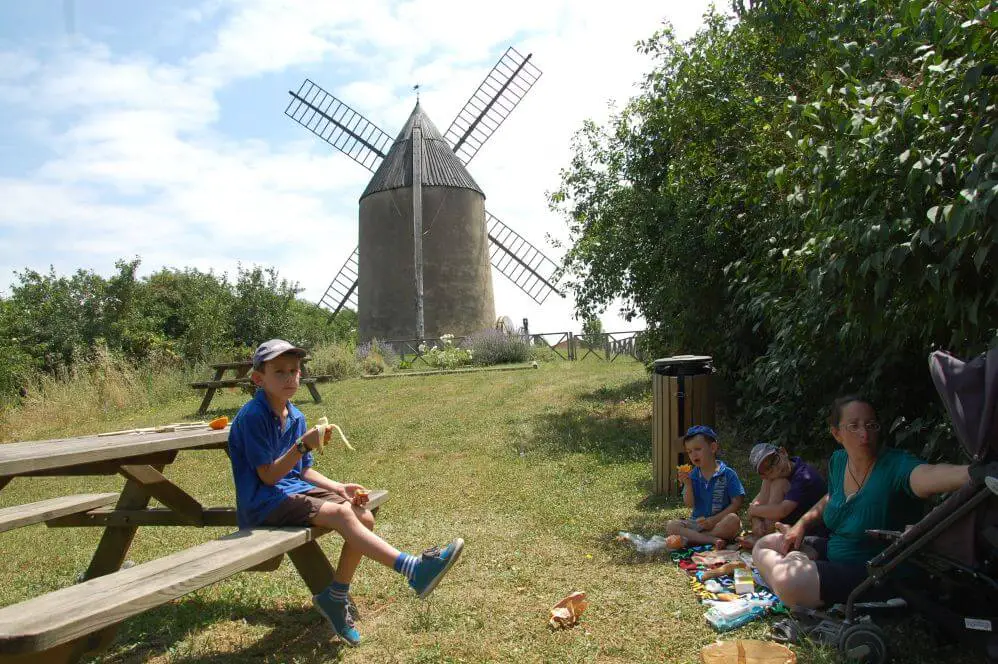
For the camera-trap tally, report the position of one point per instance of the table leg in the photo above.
(61, 654)
(4, 481)
(110, 554)
(210, 393)
(313, 566)
(316, 397)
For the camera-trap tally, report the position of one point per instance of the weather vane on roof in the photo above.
(416, 88)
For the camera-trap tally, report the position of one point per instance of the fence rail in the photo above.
(568, 346)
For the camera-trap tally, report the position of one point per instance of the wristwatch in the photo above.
(301, 447)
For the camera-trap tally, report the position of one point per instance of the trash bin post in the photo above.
(682, 395)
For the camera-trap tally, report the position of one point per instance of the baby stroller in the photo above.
(954, 549)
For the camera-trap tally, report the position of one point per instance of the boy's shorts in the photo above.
(299, 509)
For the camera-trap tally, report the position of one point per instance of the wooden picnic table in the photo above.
(66, 624)
(241, 369)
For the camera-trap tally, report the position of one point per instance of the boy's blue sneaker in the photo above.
(338, 616)
(433, 565)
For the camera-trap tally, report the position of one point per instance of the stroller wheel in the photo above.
(864, 643)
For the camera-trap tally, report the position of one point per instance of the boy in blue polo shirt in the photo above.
(712, 489)
(277, 485)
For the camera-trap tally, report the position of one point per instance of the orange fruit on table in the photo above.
(219, 423)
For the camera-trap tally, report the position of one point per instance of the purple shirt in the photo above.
(806, 488)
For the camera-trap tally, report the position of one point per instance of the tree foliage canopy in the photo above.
(806, 191)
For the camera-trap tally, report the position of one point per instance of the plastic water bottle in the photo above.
(648, 546)
(731, 615)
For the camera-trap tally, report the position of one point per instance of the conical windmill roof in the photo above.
(441, 167)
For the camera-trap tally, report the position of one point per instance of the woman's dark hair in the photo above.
(835, 416)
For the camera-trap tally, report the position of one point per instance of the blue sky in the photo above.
(156, 129)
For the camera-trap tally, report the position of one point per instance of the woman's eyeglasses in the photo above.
(856, 427)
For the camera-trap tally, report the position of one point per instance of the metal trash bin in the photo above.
(683, 395)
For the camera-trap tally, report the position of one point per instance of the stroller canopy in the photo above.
(969, 390)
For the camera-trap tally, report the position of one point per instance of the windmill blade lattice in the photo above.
(521, 262)
(343, 289)
(339, 125)
(493, 101)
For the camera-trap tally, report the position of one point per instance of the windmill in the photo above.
(425, 238)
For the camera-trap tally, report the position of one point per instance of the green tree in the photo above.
(805, 191)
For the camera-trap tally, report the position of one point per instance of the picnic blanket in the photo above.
(725, 608)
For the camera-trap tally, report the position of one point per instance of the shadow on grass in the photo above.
(297, 634)
(603, 423)
(614, 438)
(637, 390)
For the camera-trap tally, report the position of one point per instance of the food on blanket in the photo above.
(727, 597)
(724, 569)
(747, 651)
(326, 432)
(360, 497)
(219, 423)
(566, 613)
(674, 542)
(744, 583)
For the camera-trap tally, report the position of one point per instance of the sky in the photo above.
(157, 129)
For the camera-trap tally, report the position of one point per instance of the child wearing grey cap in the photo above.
(790, 487)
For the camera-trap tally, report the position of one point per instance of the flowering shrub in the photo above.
(446, 355)
(498, 347)
(375, 357)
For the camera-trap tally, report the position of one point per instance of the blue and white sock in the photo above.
(338, 591)
(405, 565)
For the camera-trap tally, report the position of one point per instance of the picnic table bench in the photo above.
(241, 378)
(66, 624)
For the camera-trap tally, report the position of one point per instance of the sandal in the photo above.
(785, 631)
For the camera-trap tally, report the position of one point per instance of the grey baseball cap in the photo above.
(759, 453)
(268, 350)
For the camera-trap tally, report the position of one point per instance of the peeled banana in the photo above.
(323, 425)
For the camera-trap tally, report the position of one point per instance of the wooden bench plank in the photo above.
(70, 613)
(43, 510)
(246, 382)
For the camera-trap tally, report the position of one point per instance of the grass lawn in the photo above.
(537, 470)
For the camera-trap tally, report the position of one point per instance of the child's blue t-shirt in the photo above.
(715, 494)
(256, 439)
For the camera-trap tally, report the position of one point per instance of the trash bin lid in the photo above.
(684, 365)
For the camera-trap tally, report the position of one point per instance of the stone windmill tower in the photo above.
(425, 239)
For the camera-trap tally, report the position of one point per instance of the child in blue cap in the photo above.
(712, 489)
(277, 485)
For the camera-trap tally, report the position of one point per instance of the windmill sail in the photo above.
(343, 289)
(521, 262)
(514, 257)
(493, 101)
(339, 125)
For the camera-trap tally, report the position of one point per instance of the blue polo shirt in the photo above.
(712, 495)
(256, 439)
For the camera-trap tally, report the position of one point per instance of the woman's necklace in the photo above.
(859, 485)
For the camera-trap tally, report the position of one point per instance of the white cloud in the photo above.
(142, 163)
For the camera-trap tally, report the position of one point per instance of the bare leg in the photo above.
(357, 536)
(793, 577)
(350, 556)
(726, 530)
(692, 536)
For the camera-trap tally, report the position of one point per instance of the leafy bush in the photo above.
(807, 192)
(497, 347)
(331, 359)
(446, 355)
(376, 357)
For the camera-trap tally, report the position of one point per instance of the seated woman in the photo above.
(869, 487)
